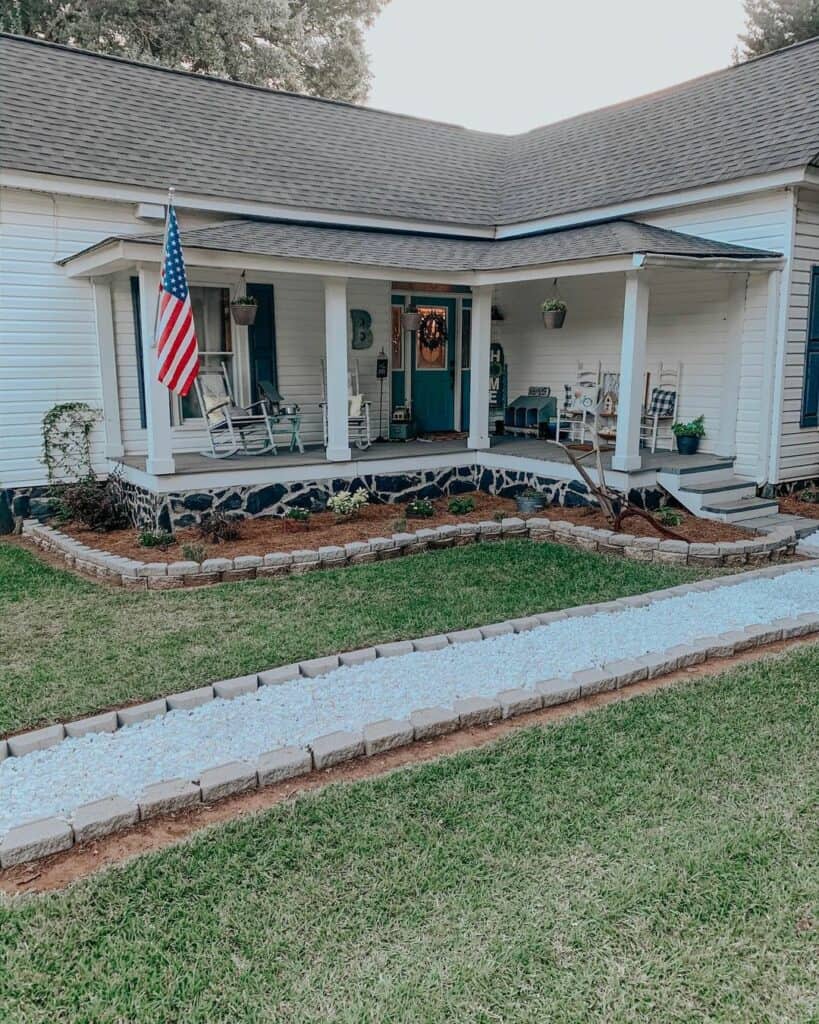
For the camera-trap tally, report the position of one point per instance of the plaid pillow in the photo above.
(662, 402)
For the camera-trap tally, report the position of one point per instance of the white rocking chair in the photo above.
(230, 427)
(662, 391)
(358, 409)
(580, 401)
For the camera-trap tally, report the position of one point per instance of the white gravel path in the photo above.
(183, 743)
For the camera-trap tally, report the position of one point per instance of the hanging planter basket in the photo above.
(410, 319)
(553, 318)
(244, 313)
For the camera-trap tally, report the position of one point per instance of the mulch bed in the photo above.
(267, 533)
(794, 507)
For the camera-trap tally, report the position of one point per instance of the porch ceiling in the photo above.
(429, 253)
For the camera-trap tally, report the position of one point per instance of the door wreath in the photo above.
(432, 331)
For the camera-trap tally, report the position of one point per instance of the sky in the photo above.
(510, 65)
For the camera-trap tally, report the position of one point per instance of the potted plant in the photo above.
(243, 309)
(411, 318)
(554, 313)
(529, 501)
(688, 435)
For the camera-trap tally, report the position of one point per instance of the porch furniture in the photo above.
(358, 409)
(531, 413)
(231, 428)
(580, 404)
(661, 408)
(282, 413)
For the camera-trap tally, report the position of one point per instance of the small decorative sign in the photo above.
(362, 328)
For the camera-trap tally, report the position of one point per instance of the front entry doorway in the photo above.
(433, 364)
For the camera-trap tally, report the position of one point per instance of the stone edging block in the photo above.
(137, 575)
(101, 817)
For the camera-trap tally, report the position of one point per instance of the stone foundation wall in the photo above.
(186, 508)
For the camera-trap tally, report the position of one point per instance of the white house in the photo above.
(681, 229)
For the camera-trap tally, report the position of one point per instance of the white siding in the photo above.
(762, 222)
(49, 342)
(799, 450)
(48, 339)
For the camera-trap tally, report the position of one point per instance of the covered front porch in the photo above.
(330, 312)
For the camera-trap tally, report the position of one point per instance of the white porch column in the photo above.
(479, 367)
(335, 338)
(632, 373)
(726, 443)
(108, 369)
(772, 383)
(157, 396)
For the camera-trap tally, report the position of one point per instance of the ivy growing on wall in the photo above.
(67, 431)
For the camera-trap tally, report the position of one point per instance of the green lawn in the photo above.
(69, 647)
(652, 861)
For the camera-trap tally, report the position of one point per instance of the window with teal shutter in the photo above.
(810, 392)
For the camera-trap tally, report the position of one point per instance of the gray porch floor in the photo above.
(520, 447)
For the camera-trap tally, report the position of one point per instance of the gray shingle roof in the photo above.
(71, 113)
(437, 253)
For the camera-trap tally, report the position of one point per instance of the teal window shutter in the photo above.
(262, 339)
(143, 416)
(810, 390)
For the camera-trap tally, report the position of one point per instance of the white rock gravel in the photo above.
(184, 743)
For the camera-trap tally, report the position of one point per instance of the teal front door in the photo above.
(433, 364)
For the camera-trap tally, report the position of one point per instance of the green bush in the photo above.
(219, 527)
(461, 506)
(298, 515)
(669, 516)
(194, 552)
(156, 539)
(420, 508)
(92, 503)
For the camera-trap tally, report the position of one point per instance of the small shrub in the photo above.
(219, 527)
(297, 516)
(499, 516)
(810, 495)
(399, 525)
(194, 552)
(156, 539)
(461, 506)
(92, 503)
(669, 516)
(347, 504)
(420, 508)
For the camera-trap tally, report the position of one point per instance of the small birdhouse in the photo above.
(609, 407)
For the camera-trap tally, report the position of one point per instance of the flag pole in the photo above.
(171, 191)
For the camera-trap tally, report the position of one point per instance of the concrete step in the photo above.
(706, 472)
(802, 526)
(727, 484)
(738, 510)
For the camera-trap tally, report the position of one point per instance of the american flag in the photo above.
(177, 353)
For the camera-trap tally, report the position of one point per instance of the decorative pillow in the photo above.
(585, 397)
(355, 403)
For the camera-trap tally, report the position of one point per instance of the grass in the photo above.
(69, 647)
(655, 860)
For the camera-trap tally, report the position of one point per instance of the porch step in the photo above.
(711, 490)
(802, 526)
(731, 483)
(739, 510)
